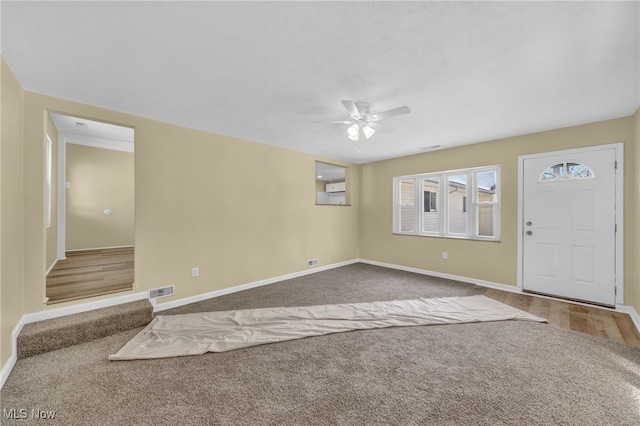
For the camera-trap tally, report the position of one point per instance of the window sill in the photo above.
(450, 237)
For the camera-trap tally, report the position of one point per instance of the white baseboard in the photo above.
(82, 307)
(53, 265)
(6, 370)
(98, 248)
(632, 313)
(158, 307)
(503, 287)
(8, 366)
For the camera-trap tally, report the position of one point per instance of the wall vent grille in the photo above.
(161, 292)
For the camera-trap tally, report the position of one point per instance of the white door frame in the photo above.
(619, 206)
(61, 200)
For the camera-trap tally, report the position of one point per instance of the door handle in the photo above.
(529, 223)
(529, 233)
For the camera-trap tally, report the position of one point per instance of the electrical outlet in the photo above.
(195, 272)
(445, 255)
(313, 262)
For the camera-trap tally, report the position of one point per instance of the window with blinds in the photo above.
(456, 204)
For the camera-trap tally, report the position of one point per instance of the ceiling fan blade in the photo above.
(363, 108)
(333, 122)
(391, 113)
(368, 131)
(351, 108)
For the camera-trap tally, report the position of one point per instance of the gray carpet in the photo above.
(487, 373)
(57, 333)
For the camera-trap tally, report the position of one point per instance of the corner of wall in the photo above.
(11, 209)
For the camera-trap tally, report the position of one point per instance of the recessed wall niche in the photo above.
(331, 184)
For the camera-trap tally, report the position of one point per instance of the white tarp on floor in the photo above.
(194, 334)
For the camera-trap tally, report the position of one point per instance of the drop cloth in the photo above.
(198, 333)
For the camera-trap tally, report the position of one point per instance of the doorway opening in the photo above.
(90, 242)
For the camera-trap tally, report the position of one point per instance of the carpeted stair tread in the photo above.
(57, 333)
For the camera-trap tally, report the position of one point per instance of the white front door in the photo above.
(569, 239)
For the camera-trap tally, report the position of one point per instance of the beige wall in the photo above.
(52, 231)
(100, 179)
(11, 212)
(632, 220)
(490, 261)
(238, 210)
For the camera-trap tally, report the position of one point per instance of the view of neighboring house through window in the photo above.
(457, 204)
(456, 197)
(407, 221)
(431, 216)
(48, 177)
(487, 203)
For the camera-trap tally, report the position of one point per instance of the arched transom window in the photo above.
(566, 171)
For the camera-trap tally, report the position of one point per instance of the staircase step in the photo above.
(57, 333)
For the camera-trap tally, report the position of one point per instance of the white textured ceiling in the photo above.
(261, 71)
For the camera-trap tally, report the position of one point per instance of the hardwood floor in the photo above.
(615, 326)
(90, 273)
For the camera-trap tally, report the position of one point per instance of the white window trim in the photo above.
(49, 180)
(472, 204)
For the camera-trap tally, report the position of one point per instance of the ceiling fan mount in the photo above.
(362, 122)
(362, 107)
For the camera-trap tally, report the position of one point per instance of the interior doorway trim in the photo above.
(61, 209)
(619, 209)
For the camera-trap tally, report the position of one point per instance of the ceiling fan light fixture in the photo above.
(361, 118)
(368, 131)
(353, 132)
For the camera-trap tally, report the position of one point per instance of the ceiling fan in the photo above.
(362, 120)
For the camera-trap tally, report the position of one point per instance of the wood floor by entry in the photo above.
(609, 324)
(89, 273)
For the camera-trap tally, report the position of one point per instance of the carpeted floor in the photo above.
(507, 372)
